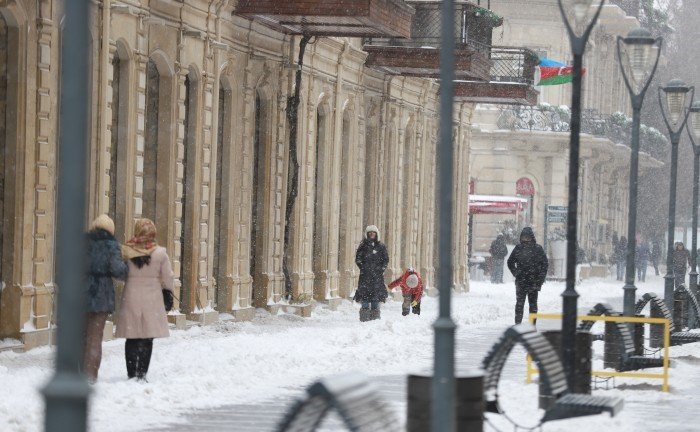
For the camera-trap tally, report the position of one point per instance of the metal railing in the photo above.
(513, 65)
(556, 119)
(472, 28)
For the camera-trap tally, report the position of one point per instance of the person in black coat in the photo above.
(498, 251)
(372, 259)
(104, 264)
(528, 263)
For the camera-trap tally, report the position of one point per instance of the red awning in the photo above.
(488, 204)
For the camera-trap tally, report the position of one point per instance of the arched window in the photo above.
(257, 222)
(406, 199)
(346, 197)
(118, 144)
(187, 247)
(150, 165)
(4, 145)
(319, 261)
(223, 139)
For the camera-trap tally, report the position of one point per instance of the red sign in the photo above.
(524, 187)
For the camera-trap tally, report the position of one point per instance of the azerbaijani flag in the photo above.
(553, 72)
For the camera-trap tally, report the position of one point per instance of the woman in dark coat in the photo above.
(104, 263)
(372, 259)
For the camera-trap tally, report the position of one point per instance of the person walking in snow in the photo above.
(498, 252)
(147, 297)
(620, 255)
(655, 255)
(528, 263)
(372, 259)
(412, 289)
(104, 264)
(681, 260)
(642, 260)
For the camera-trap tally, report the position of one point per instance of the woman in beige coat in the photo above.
(142, 316)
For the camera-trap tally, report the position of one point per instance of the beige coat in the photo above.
(142, 313)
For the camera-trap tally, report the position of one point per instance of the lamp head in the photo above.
(694, 122)
(640, 44)
(676, 92)
(578, 13)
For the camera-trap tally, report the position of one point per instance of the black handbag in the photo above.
(168, 300)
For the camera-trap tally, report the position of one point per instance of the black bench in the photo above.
(692, 302)
(352, 396)
(552, 377)
(659, 308)
(627, 360)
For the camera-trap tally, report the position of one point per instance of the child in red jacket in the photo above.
(412, 289)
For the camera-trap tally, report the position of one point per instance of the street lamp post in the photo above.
(676, 92)
(693, 127)
(67, 392)
(579, 24)
(638, 47)
(443, 391)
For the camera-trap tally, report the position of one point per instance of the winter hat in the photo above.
(412, 280)
(527, 232)
(372, 228)
(103, 222)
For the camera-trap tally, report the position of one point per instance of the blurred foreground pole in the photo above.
(67, 393)
(443, 409)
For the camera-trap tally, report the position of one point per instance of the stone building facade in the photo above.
(510, 144)
(188, 127)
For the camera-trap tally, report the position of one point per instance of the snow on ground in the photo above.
(230, 363)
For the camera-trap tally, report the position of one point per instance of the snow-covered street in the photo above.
(275, 357)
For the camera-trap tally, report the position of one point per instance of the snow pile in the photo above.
(230, 363)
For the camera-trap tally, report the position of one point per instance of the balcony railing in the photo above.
(617, 128)
(473, 28)
(513, 65)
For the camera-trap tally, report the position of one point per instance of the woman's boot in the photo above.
(375, 314)
(365, 314)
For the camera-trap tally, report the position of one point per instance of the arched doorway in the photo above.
(257, 217)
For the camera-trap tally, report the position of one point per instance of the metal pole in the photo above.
(670, 277)
(67, 393)
(443, 410)
(570, 296)
(692, 319)
(630, 291)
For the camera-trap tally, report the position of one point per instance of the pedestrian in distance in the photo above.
(642, 260)
(528, 263)
(655, 255)
(498, 251)
(620, 256)
(372, 259)
(681, 260)
(412, 289)
(104, 264)
(148, 296)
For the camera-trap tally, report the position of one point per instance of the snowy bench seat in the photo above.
(552, 377)
(352, 396)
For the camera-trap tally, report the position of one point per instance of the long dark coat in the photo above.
(372, 259)
(528, 263)
(105, 263)
(499, 249)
